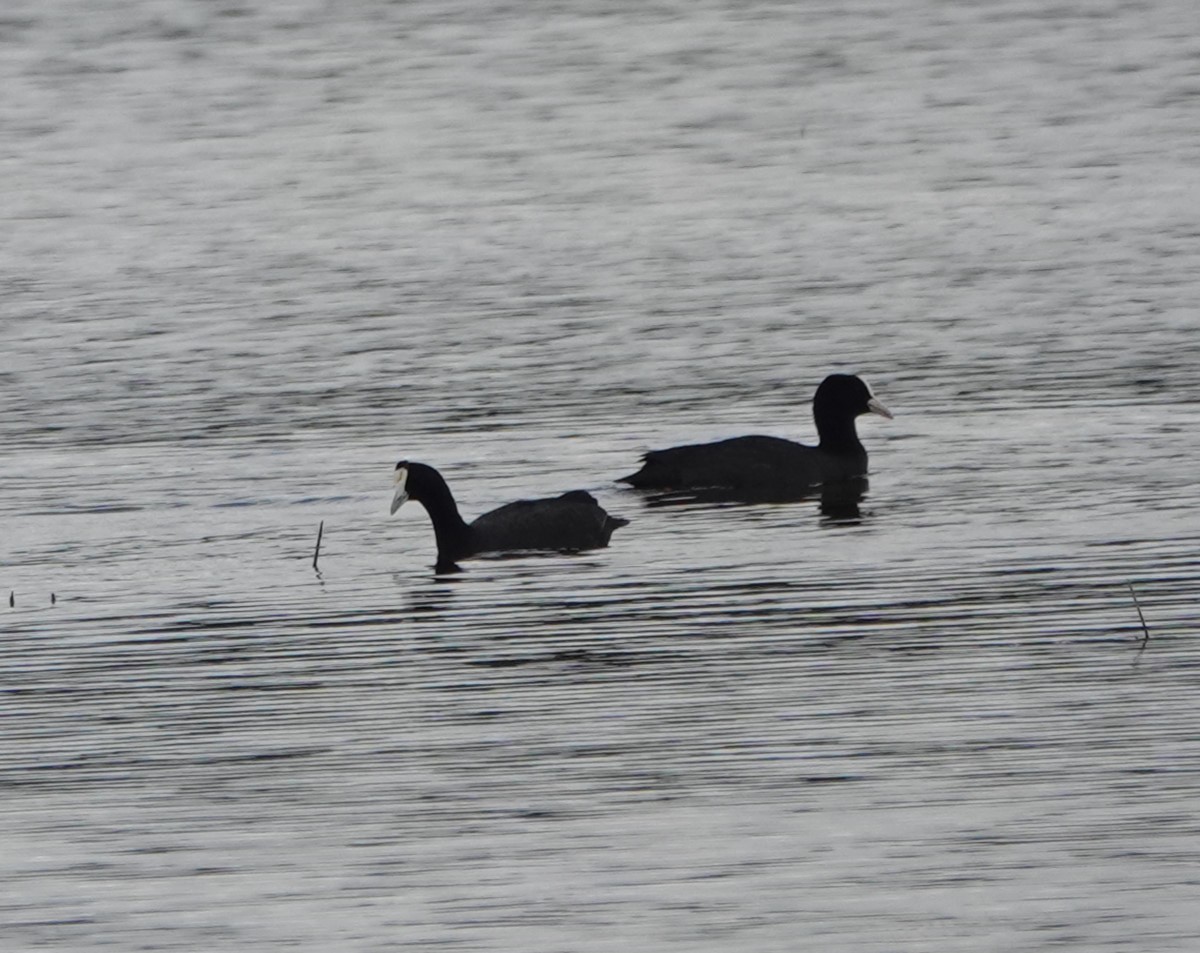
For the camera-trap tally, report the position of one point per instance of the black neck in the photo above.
(838, 434)
(453, 534)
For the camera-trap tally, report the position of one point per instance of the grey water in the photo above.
(255, 253)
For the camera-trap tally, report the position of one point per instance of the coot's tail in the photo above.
(653, 474)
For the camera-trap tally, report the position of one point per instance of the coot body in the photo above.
(571, 522)
(758, 464)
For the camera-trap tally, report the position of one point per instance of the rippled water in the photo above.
(256, 254)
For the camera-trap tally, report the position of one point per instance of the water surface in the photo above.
(256, 255)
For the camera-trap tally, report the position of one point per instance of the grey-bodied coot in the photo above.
(566, 523)
(759, 464)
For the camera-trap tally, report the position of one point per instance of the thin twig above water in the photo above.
(317, 551)
(1137, 605)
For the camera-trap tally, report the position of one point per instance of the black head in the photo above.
(413, 482)
(846, 396)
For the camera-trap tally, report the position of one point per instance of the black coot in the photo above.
(770, 465)
(564, 523)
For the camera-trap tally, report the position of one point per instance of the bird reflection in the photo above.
(432, 598)
(839, 499)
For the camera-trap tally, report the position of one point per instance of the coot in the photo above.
(770, 465)
(573, 521)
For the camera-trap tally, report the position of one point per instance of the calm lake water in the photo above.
(256, 253)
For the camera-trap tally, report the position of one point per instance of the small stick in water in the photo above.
(12, 599)
(317, 551)
(52, 599)
(1137, 605)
